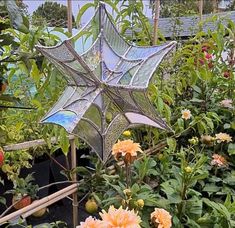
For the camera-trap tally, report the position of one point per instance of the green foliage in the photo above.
(24, 186)
(53, 13)
(183, 176)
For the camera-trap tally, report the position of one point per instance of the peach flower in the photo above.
(161, 218)
(92, 223)
(120, 218)
(126, 149)
(223, 137)
(186, 114)
(218, 160)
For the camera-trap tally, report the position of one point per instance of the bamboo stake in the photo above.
(48, 203)
(200, 6)
(156, 20)
(74, 178)
(70, 17)
(61, 193)
(33, 143)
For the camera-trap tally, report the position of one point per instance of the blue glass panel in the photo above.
(66, 119)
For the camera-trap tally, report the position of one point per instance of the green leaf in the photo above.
(35, 73)
(171, 142)
(211, 188)
(82, 11)
(231, 148)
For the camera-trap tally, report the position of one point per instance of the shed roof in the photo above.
(188, 26)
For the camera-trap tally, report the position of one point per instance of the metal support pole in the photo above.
(74, 178)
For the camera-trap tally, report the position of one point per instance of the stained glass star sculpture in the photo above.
(107, 83)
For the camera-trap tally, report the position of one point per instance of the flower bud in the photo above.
(140, 203)
(188, 169)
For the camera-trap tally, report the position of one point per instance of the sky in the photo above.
(76, 4)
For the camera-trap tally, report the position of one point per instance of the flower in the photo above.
(223, 137)
(92, 223)
(120, 218)
(126, 149)
(207, 140)
(161, 218)
(208, 55)
(227, 103)
(126, 133)
(186, 114)
(193, 140)
(218, 160)
(226, 74)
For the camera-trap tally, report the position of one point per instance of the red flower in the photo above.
(227, 74)
(208, 56)
(205, 48)
(1, 157)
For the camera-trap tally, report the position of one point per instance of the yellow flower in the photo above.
(126, 133)
(161, 218)
(120, 218)
(223, 137)
(92, 223)
(219, 160)
(186, 114)
(126, 149)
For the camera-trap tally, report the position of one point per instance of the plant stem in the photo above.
(127, 175)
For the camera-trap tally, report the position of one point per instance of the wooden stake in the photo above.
(74, 178)
(48, 203)
(200, 6)
(42, 203)
(70, 16)
(156, 20)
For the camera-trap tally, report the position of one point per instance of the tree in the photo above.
(53, 13)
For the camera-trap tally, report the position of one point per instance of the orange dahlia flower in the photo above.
(92, 223)
(120, 218)
(161, 218)
(219, 160)
(126, 149)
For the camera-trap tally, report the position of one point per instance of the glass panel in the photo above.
(136, 118)
(76, 66)
(87, 35)
(60, 53)
(115, 129)
(126, 78)
(66, 119)
(113, 37)
(147, 109)
(67, 94)
(90, 135)
(147, 69)
(109, 56)
(126, 97)
(94, 115)
(143, 52)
